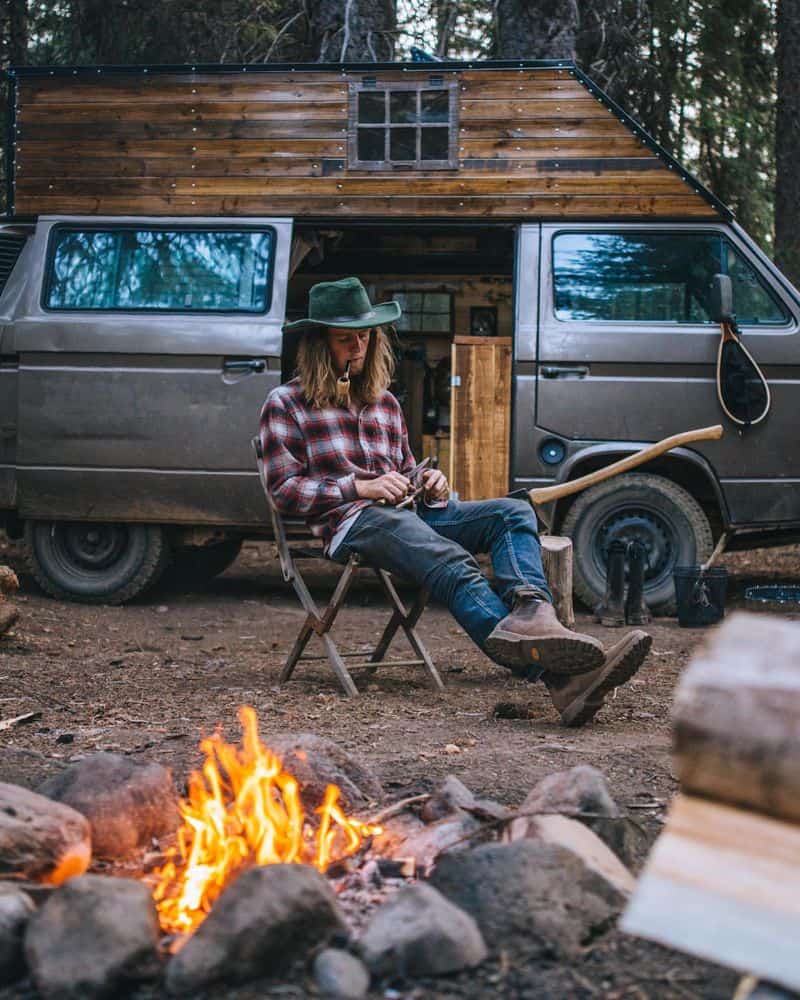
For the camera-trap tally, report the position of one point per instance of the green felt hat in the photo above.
(344, 303)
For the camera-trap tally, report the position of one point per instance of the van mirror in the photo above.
(721, 299)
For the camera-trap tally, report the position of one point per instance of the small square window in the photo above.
(435, 143)
(435, 105)
(403, 107)
(403, 144)
(371, 144)
(372, 107)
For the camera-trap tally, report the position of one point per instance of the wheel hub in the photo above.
(638, 524)
(92, 546)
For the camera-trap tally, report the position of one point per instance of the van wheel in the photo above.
(655, 511)
(199, 564)
(95, 563)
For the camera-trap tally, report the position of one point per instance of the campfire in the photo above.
(244, 809)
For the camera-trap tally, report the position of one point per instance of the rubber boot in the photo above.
(611, 610)
(636, 611)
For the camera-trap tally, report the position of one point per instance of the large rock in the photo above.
(93, 938)
(447, 798)
(16, 908)
(268, 917)
(127, 803)
(530, 897)
(317, 762)
(417, 932)
(583, 794)
(41, 839)
(340, 975)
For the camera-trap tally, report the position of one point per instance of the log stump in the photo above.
(557, 563)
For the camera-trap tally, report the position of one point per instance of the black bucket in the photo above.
(700, 597)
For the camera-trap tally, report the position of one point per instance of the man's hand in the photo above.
(391, 487)
(436, 485)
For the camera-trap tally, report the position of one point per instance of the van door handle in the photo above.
(250, 365)
(564, 371)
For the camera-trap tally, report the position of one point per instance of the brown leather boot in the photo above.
(579, 699)
(532, 637)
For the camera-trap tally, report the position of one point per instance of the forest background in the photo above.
(715, 82)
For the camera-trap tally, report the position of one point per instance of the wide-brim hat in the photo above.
(344, 303)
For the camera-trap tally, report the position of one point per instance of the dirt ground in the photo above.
(149, 678)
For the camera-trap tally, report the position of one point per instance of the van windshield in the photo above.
(653, 277)
(188, 270)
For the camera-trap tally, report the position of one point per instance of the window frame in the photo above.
(450, 332)
(359, 87)
(662, 323)
(49, 266)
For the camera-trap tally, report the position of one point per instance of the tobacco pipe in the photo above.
(546, 494)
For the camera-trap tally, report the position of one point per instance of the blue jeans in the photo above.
(436, 548)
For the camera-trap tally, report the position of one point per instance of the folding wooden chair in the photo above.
(320, 622)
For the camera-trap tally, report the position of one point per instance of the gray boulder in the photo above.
(417, 932)
(93, 938)
(583, 794)
(127, 803)
(340, 975)
(530, 897)
(447, 798)
(267, 918)
(39, 838)
(16, 908)
(317, 762)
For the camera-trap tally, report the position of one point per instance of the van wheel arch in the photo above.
(100, 563)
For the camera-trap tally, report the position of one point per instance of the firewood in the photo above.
(8, 580)
(8, 615)
(557, 563)
(737, 717)
(18, 720)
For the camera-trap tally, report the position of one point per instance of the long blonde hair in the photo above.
(318, 379)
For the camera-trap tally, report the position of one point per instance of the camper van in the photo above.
(553, 263)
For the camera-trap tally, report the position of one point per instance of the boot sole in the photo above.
(585, 707)
(557, 655)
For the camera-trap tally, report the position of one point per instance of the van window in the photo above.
(190, 270)
(653, 277)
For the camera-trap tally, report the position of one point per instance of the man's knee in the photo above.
(516, 512)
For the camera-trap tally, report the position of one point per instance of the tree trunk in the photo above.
(787, 141)
(17, 13)
(353, 30)
(544, 30)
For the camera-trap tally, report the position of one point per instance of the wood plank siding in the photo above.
(531, 143)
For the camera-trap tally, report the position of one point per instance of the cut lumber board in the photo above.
(723, 884)
(736, 717)
(557, 564)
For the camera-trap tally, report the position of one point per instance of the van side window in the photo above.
(653, 277)
(188, 270)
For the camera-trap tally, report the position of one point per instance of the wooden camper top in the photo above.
(535, 140)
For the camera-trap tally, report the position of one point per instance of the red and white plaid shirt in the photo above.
(314, 456)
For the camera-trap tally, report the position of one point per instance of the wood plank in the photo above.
(166, 87)
(128, 166)
(191, 148)
(563, 146)
(550, 207)
(523, 108)
(489, 88)
(310, 128)
(480, 416)
(545, 128)
(723, 884)
(194, 111)
(737, 717)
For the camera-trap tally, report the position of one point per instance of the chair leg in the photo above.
(394, 623)
(407, 621)
(339, 667)
(300, 644)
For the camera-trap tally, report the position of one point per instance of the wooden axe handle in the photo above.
(547, 493)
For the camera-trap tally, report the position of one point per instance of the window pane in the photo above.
(653, 277)
(403, 144)
(435, 143)
(130, 269)
(371, 107)
(435, 105)
(751, 301)
(403, 106)
(437, 302)
(371, 144)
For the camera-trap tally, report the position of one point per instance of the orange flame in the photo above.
(243, 809)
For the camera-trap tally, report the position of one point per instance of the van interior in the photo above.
(450, 281)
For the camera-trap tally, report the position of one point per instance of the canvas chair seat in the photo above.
(320, 621)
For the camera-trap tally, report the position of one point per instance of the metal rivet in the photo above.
(194, 149)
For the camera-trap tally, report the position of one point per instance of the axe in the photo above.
(546, 494)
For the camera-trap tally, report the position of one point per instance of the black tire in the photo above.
(664, 516)
(95, 563)
(199, 564)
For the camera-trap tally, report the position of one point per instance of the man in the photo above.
(336, 451)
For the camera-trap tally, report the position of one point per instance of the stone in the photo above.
(530, 898)
(41, 839)
(450, 796)
(270, 916)
(405, 836)
(417, 932)
(317, 762)
(340, 975)
(16, 908)
(93, 938)
(582, 793)
(8, 616)
(126, 802)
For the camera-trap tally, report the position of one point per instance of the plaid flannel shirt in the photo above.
(314, 456)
